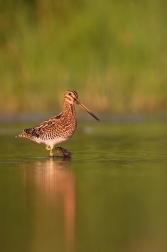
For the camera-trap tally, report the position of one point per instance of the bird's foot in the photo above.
(63, 152)
(60, 150)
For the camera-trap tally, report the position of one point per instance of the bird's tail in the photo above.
(21, 135)
(26, 134)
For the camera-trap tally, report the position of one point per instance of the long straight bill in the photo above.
(85, 108)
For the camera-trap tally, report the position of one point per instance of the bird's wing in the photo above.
(45, 126)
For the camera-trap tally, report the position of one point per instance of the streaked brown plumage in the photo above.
(58, 128)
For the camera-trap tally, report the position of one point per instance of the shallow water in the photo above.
(111, 196)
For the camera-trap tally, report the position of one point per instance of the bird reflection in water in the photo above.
(54, 200)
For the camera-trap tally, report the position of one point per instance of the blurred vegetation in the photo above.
(113, 53)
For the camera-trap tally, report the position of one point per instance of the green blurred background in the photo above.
(113, 53)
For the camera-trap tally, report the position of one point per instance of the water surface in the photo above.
(111, 196)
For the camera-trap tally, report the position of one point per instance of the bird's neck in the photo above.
(68, 110)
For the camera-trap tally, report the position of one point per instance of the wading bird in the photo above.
(58, 128)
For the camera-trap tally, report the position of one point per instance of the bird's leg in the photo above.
(51, 150)
(51, 153)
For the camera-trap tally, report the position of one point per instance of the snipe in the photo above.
(58, 128)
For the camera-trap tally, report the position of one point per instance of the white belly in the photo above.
(53, 142)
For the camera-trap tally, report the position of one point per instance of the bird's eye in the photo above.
(69, 93)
